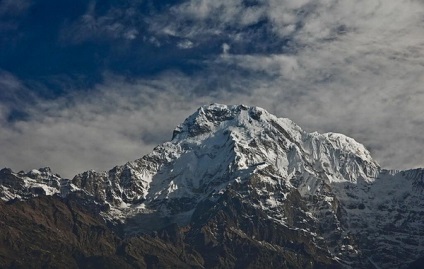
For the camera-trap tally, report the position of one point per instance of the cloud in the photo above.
(303, 22)
(235, 12)
(185, 44)
(205, 20)
(13, 7)
(10, 12)
(13, 95)
(225, 48)
(118, 22)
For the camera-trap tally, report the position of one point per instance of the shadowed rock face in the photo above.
(49, 232)
(234, 234)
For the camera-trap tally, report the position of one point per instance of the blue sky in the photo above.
(92, 84)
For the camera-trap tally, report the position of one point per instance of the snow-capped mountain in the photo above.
(320, 195)
(23, 185)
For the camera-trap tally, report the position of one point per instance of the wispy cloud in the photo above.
(115, 23)
(10, 11)
(13, 7)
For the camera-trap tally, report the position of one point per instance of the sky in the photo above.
(93, 84)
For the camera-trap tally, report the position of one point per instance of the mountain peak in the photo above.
(349, 144)
(250, 126)
(211, 117)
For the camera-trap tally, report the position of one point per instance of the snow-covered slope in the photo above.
(217, 144)
(23, 185)
(326, 186)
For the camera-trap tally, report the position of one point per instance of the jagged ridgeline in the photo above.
(236, 187)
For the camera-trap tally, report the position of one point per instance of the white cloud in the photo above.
(305, 21)
(225, 48)
(185, 44)
(286, 66)
(194, 19)
(8, 82)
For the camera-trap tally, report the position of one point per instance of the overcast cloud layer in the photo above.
(351, 67)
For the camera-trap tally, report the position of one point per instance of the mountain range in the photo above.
(235, 187)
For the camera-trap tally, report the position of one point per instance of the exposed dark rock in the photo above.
(234, 234)
(49, 232)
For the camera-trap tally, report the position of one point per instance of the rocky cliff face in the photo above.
(26, 185)
(236, 179)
